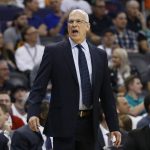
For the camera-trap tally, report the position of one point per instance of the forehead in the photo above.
(76, 15)
(4, 96)
(121, 15)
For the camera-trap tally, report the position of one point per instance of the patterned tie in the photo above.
(48, 143)
(85, 78)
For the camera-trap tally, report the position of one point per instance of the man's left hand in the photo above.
(117, 136)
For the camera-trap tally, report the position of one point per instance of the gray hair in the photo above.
(82, 12)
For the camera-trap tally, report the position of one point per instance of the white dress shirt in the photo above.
(44, 138)
(27, 57)
(75, 58)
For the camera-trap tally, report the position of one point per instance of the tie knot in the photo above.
(79, 46)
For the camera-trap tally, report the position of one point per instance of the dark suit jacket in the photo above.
(138, 139)
(3, 142)
(58, 66)
(25, 139)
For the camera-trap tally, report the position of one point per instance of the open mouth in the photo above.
(75, 31)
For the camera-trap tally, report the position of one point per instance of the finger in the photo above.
(34, 124)
(118, 140)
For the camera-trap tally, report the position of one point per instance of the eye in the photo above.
(78, 21)
(70, 21)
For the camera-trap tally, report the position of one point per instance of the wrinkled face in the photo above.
(77, 27)
(136, 86)
(5, 99)
(116, 60)
(4, 71)
(3, 118)
(121, 20)
(123, 106)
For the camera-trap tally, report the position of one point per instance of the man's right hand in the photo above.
(34, 123)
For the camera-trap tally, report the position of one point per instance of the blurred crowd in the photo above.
(119, 27)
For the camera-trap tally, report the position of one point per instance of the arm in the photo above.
(39, 89)
(18, 142)
(135, 111)
(109, 107)
(55, 30)
(130, 143)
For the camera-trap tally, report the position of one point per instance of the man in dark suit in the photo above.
(73, 117)
(25, 139)
(138, 139)
(3, 142)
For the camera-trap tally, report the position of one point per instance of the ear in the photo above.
(88, 26)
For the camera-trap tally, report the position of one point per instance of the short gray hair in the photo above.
(82, 12)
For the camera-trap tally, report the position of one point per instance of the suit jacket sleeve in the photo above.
(18, 142)
(108, 100)
(130, 143)
(38, 89)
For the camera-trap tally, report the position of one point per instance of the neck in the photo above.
(120, 29)
(20, 110)
(32, 44)
(133, 94)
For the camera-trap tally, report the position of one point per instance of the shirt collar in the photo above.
(73, 44)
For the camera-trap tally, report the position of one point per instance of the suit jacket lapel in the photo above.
(69, 59)
(93, 62)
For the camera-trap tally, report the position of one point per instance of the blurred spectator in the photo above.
(19, 96)
(142, 39)
(7, 2)
(4, 138)
(31, 6)
(147, 6)
(108, 43)
(13, 122)
(6, 53)
(42, 3)
(99, 21)
(123, 108)
(138, 139)
(68, 5)
(120, 69)
(136, 20)
(134, 89)
(104, 138)
(25, 138)
(124, 37)
(147, 30)
(12, 35)
(145, 120)
(4, 76)
(30, 54)
(56, 21)
(125, 123)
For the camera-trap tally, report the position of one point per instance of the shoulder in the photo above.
(23, 131)
(58, 46)
(10, 30)
(97, 50)
(137, 132)
(20, 49)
